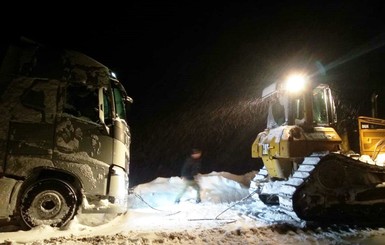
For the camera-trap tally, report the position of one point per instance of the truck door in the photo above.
(82, 143)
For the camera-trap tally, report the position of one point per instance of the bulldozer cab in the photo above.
(312, 107)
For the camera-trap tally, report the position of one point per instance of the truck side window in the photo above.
(82, 102)
(107, 106)
(33, 98)
(119, 104)
(41, 96)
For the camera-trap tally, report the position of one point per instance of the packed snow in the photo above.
(226, 215)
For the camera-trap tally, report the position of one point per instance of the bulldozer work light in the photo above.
(295, 83)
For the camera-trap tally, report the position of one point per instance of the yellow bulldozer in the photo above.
(308, 172)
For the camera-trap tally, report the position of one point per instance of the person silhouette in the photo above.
(190, 169)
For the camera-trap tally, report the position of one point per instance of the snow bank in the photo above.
(219, 219)
(215, 188)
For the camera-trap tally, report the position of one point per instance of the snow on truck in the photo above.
(64, 138)
(306, 173)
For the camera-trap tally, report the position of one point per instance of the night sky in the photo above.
(195, 70)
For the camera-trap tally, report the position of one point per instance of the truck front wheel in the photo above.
(48, 202)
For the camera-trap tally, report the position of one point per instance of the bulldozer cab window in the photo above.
(277, 112)
(299, 109)
(82, 102)
(320, 115)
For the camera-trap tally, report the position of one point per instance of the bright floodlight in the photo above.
(295, 83)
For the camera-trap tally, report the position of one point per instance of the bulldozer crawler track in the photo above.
(327, 188)
(334, 188)
(292, 184)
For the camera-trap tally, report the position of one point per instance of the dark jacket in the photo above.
(191, 167)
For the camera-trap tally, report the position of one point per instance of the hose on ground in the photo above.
(141, 198)
(246, 197)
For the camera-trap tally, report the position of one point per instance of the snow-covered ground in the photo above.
(224, 216)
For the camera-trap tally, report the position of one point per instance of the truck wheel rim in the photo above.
(48, 205)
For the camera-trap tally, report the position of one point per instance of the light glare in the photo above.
(295, 83)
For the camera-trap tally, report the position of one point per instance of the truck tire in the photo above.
(48, 202)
